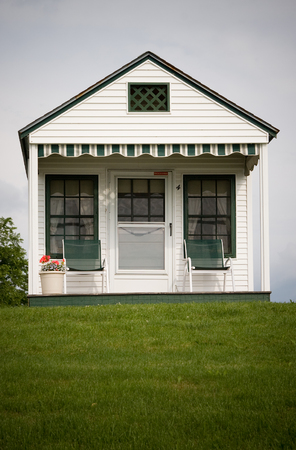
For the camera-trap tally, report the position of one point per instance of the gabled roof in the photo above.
(24, 132)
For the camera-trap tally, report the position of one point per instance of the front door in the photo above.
(140, 232)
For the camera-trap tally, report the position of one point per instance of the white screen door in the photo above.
(141, 233)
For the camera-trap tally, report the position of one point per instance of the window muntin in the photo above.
(72, 210)
(148, 97)
(210, 209)
(141, 200)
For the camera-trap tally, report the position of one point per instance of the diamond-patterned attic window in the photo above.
(148, 97)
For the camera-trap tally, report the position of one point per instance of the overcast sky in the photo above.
(245, 50)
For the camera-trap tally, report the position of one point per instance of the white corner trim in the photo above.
(264, 219)
(33, 220)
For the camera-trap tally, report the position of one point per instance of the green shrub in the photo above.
(13, 266)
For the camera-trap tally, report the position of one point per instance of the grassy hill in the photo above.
(188, 376)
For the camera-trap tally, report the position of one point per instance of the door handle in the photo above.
(171, 229)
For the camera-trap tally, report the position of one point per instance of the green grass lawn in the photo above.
(185, 376)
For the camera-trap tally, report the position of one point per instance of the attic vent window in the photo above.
(148, 97)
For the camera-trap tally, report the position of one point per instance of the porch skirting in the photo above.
(146, 298)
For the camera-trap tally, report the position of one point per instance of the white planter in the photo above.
(52, 282)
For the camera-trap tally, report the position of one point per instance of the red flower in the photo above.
(44, 259)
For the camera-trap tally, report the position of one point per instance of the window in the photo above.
(209, 209)
(141, 227)
(148, 97)
(141, 200)
(71, 210)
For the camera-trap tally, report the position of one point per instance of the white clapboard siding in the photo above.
(179, 165)
(104, 118)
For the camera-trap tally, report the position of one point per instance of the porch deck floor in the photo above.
(146, 298)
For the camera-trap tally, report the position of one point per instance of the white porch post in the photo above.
(250, 234)
(264, 218)
(33, 219)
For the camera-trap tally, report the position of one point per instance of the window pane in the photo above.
(72, 206)
(209, 206)
(87, 226)
(223, 225)
(156, 206)
(194, 226)
(57, 206)
(223, 188)
(140, 206)
(72, 188)
(141, 248)
(87, 188)
(194, 206)
(226, 243)
(208, 227)
(57, 188)
(56, 226)
(194, 188)
(157, 186)
(223, 206)
(208, 188)
(124, 206)
(124, 219)
(124, 186)
(156, 219)
(72, 226)
(140, 186)
(86, 206)
(140, 219)
(56, 244)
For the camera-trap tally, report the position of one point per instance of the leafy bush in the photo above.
(13, 265)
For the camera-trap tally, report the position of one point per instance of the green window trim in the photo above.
(65, 222)
(148, 97)
(229, 216)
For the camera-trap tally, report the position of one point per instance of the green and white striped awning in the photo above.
(135, 150)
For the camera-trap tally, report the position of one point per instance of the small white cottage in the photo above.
(142, 160)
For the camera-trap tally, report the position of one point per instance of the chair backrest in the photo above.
(206, 254)
(82, 254)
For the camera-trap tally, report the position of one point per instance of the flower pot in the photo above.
(52, 282)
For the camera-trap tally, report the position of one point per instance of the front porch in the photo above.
(146, 298)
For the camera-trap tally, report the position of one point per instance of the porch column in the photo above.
(264, 218)
(33, 219)
(250, 234)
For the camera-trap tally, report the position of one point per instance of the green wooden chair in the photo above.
(84, 257)
(206, 257)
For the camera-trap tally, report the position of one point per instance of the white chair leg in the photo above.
(224, 284)
(184, 276)
(190, 274)
(232, 276)
(107, 278)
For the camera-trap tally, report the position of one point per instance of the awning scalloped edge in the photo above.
(160, 151)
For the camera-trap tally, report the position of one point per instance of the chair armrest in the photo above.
(228, 262)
